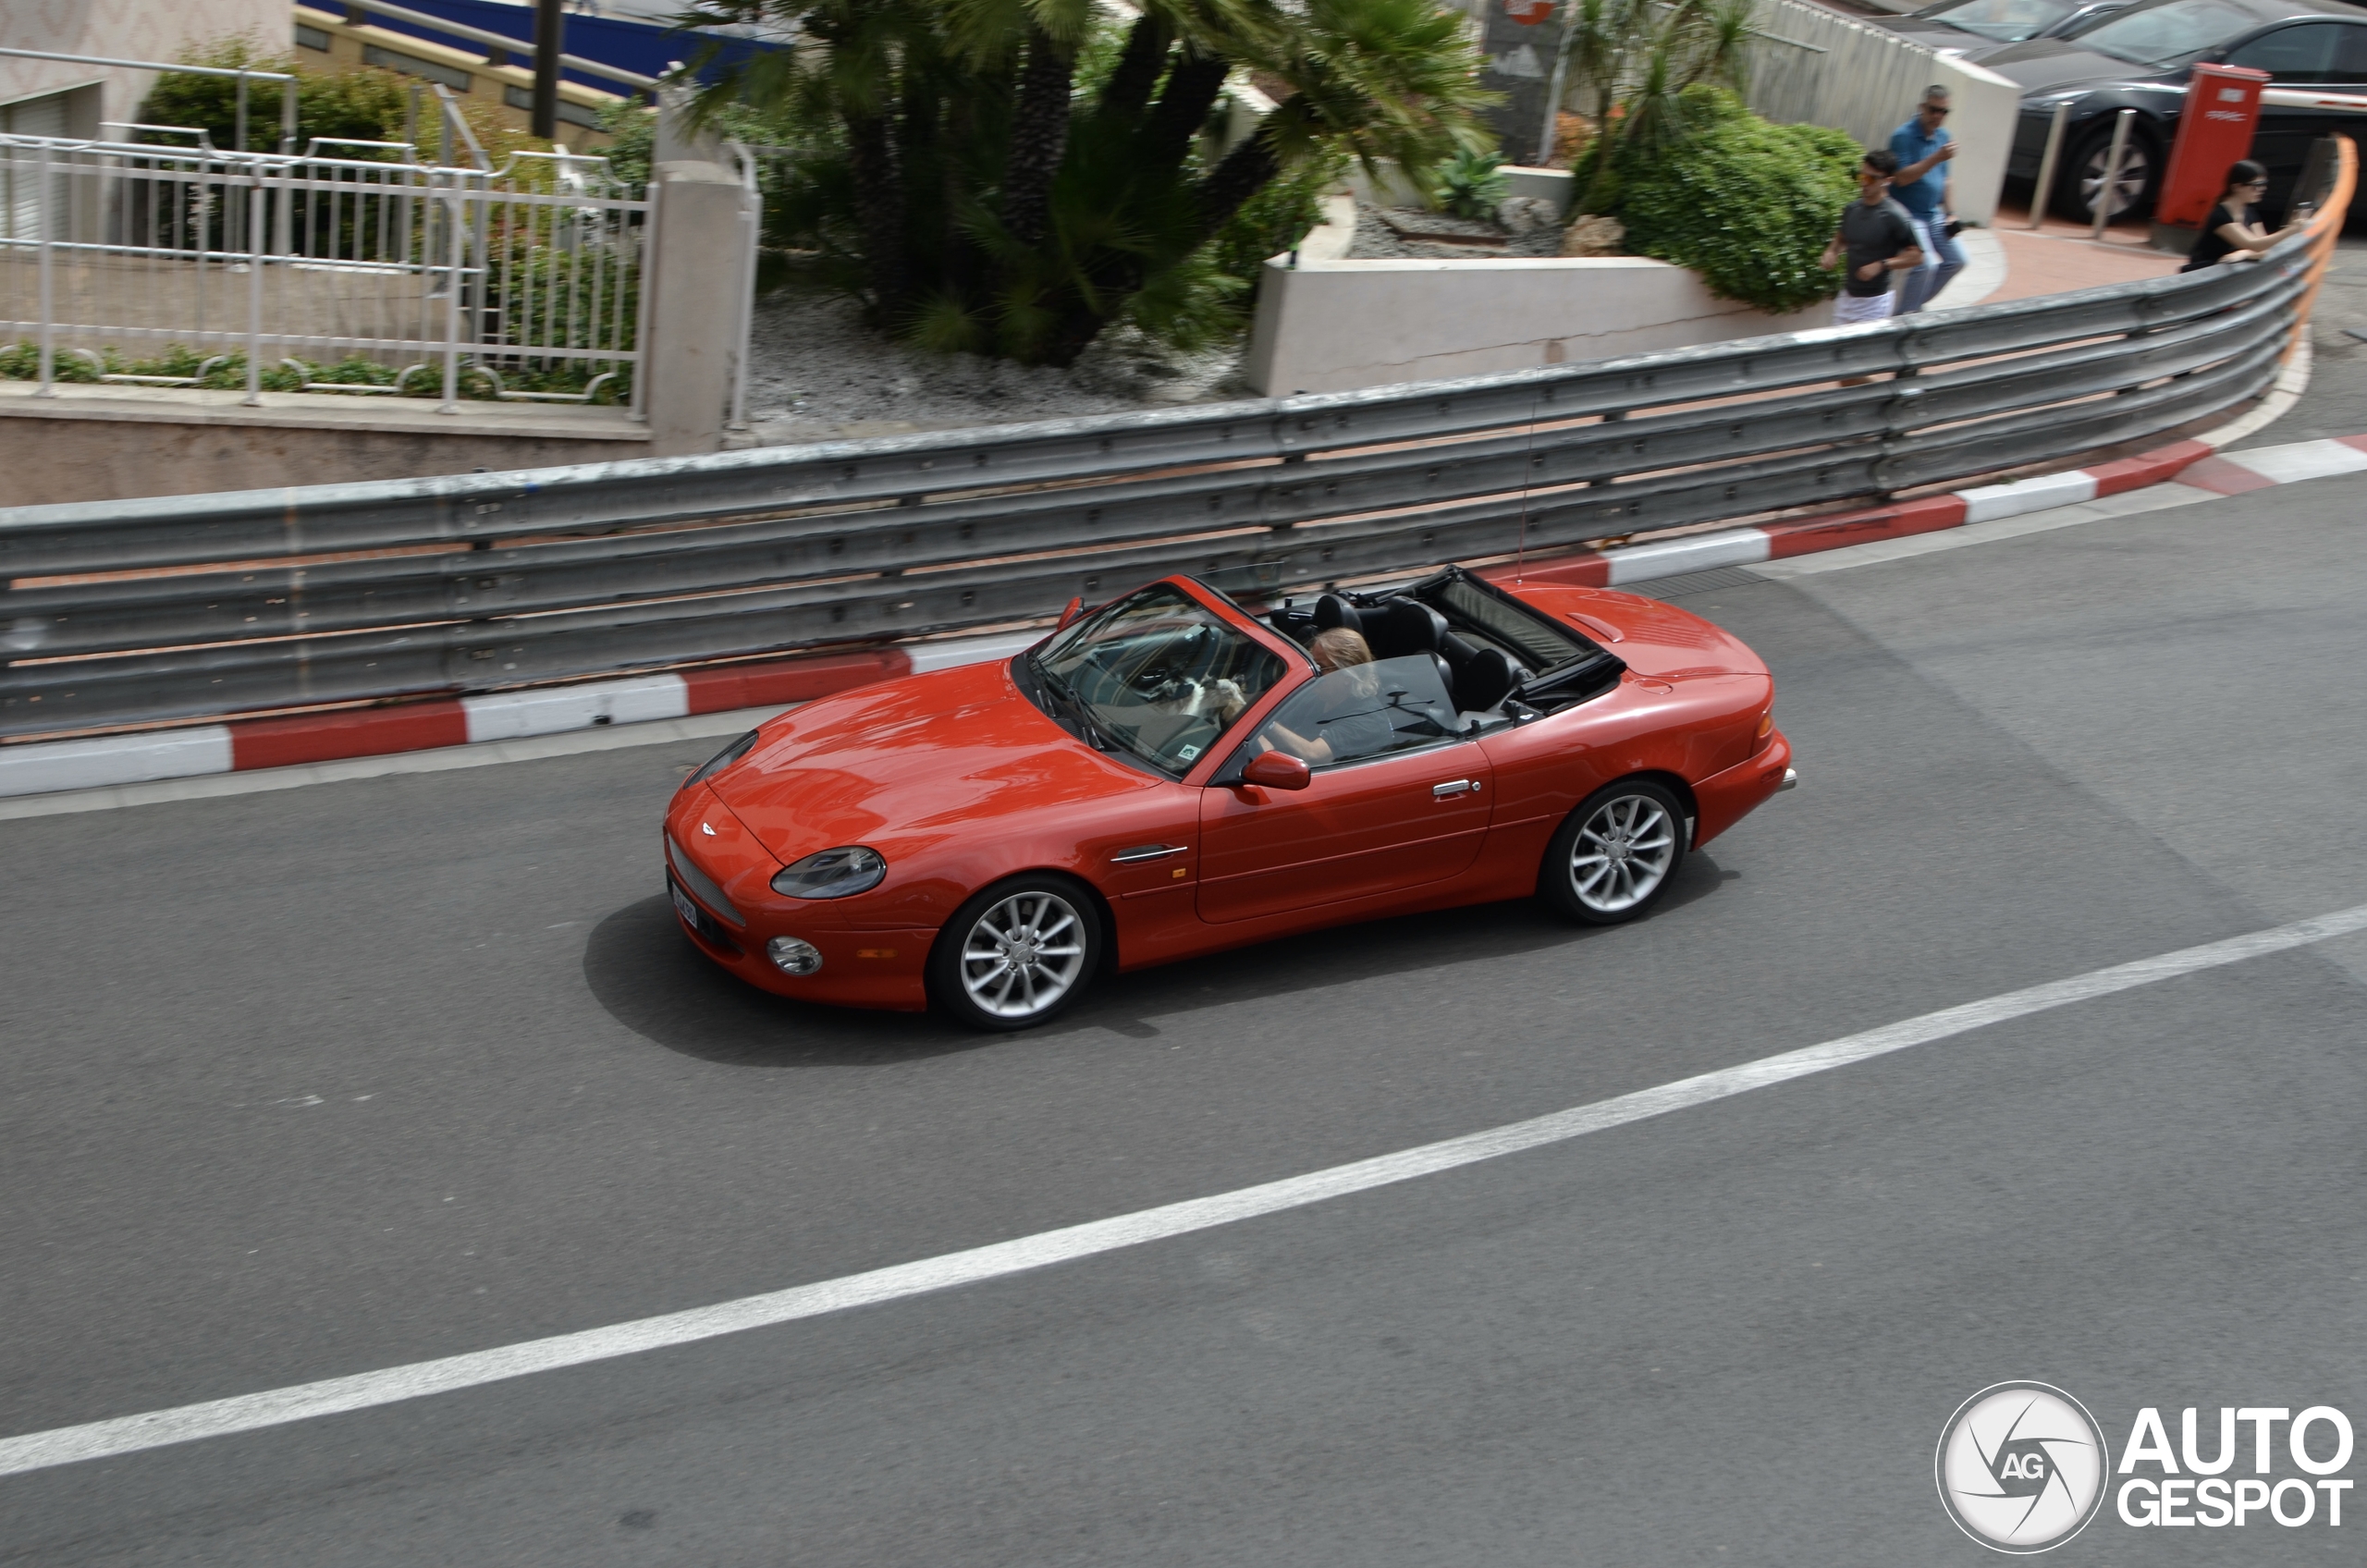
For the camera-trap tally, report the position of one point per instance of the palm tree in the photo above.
(1388, 80)
(988, 205)
(1634, 59)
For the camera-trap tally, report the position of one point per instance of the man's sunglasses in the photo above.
(1939, 109)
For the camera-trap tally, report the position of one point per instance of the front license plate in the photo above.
(689, 911)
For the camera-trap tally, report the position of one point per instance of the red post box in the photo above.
(2215, 131)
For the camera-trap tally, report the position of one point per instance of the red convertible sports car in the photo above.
(1171, 774)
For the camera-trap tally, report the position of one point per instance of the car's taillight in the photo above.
(1766, 727)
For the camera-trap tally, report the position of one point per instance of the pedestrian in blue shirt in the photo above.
(1923, 147)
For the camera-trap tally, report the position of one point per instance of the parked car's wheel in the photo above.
(1017, 954)
(2082, 183)
(1615, 855)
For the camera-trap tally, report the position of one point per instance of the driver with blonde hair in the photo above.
(1353, 723)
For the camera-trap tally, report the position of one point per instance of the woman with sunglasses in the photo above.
(2233, 229)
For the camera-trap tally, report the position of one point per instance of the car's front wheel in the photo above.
(1017, 954)
(1615, 855)
(2082, 183)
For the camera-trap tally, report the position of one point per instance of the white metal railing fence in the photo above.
(194, 263)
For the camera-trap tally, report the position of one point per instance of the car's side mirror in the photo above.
(1077, 608)
(1277, 771)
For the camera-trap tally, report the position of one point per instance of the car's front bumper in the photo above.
(873, 969)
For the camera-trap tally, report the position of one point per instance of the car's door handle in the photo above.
(1146, 851)
(1454, 787)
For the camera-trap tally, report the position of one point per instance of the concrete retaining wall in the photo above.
(1331, 325)
(99, 443)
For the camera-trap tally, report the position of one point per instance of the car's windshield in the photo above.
(2159, 37)
(2007, 21)
(1160, 674)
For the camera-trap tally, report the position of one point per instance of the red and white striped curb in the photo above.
(244, 744)
(2193, 463)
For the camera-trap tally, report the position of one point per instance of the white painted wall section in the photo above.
(1640, 563)
(1336, 325)
(1991, 501)
(956, 651)
(114, 759)
(2300, 460)
(511, 715)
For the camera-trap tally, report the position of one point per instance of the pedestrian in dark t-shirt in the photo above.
(2233, 229)
(1876, 239)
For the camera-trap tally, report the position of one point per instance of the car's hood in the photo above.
(2046, 64)
(907, 763)
(1654, 639)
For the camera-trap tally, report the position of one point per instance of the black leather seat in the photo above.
(1486, 679)
(1401, 628)
(1332, 610)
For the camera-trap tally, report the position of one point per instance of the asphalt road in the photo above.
(316, 1082)
(2335, 403)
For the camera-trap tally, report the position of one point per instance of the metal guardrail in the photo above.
(125, 613)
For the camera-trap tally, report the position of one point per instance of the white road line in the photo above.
(246, 1412)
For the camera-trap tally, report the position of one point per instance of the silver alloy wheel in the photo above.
(2136, 167)
(1621, 854)
(1024, 954)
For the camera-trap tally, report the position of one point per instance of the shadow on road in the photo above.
(640, 966)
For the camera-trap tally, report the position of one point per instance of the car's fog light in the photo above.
(793, 956)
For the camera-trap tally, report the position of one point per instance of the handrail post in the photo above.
(238, 130)
(2043, 191)
(752, 211)
(645, 302)
(258, 211)
(288, 117)
(2110, 186)
(454, 222)
(41, 204)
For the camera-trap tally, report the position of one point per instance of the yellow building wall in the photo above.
(325, 40)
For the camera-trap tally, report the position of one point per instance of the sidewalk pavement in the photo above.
(2059, 256)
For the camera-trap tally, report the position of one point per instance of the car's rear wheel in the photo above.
(1615, 855)
(1017, 954)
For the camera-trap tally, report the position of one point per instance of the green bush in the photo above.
(360, 105)
(1746, 205)
(1470, 184)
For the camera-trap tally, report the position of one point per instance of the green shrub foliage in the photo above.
(1471, 183)
(1746, 205)
(360, 105)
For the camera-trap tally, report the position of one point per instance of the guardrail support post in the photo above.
(2043, 191)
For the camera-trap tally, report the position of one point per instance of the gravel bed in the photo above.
(815, 373)
(1376, 240)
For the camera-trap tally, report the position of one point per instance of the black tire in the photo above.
(2083, 172)
(1615, 857)
(1049, 924)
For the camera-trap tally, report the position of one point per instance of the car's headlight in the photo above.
(723, 759)
(832, 874)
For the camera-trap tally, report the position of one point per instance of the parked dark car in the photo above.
(1974, 30)
(2140, 60)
